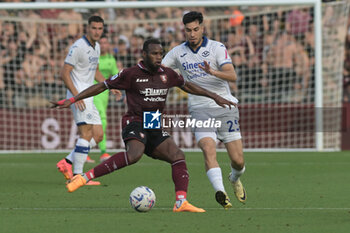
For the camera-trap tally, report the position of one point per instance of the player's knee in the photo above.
(205, 148)
(86, 135)
(207, 145)
(134, 154)
(98, 138)
(134, 157)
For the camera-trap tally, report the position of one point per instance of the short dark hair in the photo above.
(148, 42)
(96, 18)
(192, 16)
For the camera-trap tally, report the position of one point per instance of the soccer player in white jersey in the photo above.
(207, 63)
(79, 72)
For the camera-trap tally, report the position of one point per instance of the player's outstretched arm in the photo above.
(99, 78)
(197, 90)
(91, 91)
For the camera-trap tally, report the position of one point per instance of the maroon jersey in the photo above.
(145, 91)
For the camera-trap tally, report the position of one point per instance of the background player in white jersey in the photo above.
(207, 63)
(79, 72)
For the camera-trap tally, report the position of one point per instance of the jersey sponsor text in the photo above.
(154, 92)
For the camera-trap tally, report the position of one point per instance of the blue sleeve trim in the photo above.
(68, 64)
(225, 63)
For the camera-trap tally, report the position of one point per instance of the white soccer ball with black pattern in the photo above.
(142, 199)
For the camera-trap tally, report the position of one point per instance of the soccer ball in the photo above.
(142, 199)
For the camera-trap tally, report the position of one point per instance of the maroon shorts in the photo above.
(151, 138)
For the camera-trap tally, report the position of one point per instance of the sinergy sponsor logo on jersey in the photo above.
(197, 75)
(193, 70)
(93, 59)
(190, 66)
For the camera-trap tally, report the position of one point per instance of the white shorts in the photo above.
(227, 132)
(89, 116)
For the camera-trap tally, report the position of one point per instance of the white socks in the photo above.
(70, 157)
(81, 151)
(236, 174)
(215, 178)
(92, 143)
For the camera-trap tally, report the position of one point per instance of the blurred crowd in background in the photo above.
(272, 48)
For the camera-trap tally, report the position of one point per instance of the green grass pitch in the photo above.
(287, 192)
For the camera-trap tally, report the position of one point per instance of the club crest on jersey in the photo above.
(164, 78)
(205, 53)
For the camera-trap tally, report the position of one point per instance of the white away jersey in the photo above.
(182, 57)
(84, 58)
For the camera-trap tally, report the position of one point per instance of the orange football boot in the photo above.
(187, 207)
(65, 168)
(89, 160)
(104, 157)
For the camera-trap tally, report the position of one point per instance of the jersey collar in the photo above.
(87, 41)
(143, 67)
(204, 44)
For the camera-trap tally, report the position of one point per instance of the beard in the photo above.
(152, 67)
(195, 44)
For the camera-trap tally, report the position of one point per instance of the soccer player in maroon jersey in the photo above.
(146, 86)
